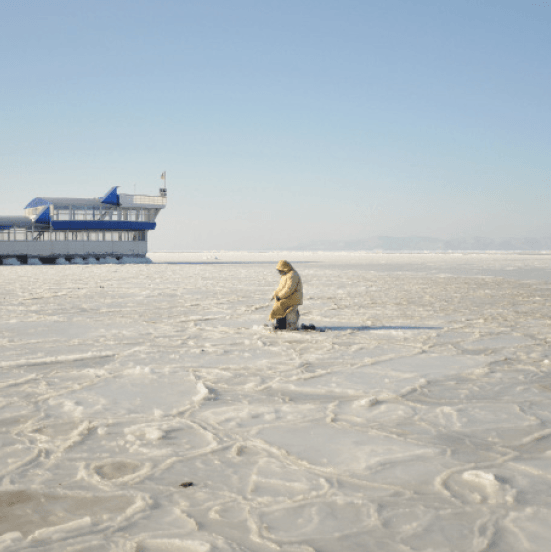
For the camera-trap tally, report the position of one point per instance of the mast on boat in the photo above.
(162, 190)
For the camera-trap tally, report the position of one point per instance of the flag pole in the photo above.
(163, 189)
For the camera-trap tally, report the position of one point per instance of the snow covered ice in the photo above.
(419, 421)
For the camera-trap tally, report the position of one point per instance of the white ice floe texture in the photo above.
(135, 260)
(146, 407)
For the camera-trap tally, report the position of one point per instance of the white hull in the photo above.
(24, 251)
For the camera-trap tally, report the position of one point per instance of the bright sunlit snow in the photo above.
(420, 420)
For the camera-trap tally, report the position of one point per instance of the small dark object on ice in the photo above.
(310, 327)
(186, 484)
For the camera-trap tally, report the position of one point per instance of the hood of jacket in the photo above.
(285, 266)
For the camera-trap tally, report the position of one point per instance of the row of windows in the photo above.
(93, 213)
(142, 215)
(149, 199)
(82, 235)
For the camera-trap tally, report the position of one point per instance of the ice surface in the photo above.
(146, 407)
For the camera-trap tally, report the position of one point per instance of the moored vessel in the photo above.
(111, 228)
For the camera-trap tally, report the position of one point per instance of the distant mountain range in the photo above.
(419, 243)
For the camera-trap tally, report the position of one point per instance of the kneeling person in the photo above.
(288, 297)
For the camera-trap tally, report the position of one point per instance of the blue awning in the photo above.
(102, 225)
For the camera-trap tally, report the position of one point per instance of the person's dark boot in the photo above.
(281, 323)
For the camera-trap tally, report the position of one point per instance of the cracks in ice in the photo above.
(188, 395)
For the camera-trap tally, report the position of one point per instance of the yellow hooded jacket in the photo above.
(289, 291)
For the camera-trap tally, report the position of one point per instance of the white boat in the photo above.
(64, 229)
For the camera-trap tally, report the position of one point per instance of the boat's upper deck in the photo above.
(113, 211)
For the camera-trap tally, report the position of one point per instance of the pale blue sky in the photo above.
(280, 122)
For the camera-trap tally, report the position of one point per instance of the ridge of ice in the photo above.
(148, 408)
